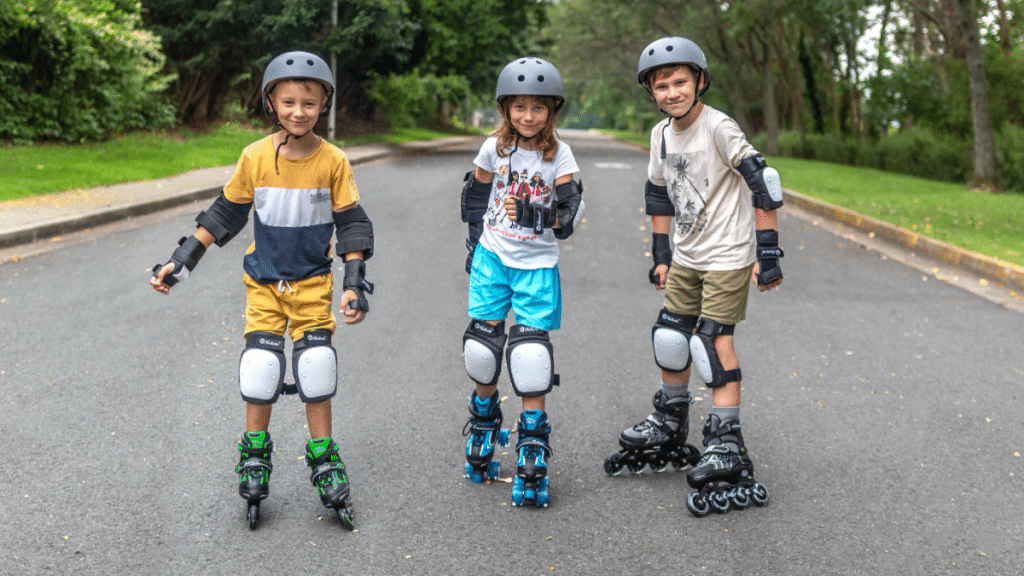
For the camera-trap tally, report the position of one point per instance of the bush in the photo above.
(1010, 157)
(416, 99)
(75, 71)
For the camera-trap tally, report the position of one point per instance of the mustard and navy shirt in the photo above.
(293, 221)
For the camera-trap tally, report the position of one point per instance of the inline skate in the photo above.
(484, 431)
(724, 477)
(531, 482)
(658, 440)
(253, 470)
(329, 478)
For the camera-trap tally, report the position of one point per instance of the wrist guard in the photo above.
(475, 195)
(355, 280)
(185, 257)
(475, 230)
(768, 254)
(569, 207)
(536, 216)
(661, 252)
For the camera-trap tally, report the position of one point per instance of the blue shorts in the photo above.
(534, 295)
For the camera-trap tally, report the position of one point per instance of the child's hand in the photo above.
(661, 273)
(352, 315)
(763, 287)
(510, 208)
(157, 282)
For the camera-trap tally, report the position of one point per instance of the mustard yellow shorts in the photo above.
(299, 305)
(719, 295)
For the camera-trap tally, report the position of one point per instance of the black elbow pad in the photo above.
(657, 200)
(224, 219)
(354, 231)
(475, 195)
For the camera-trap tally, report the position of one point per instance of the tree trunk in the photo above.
(981, 115)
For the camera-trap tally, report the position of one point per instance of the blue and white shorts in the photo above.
(534, 295)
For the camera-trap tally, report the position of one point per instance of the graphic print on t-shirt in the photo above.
(515, 184)
(688, 186)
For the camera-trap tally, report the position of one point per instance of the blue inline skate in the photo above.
(658, 440)
(723, 480)
(484, 431)
(531, 482)
(253, 470)
(329, 478)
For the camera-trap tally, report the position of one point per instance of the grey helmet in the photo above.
(531, 76)
(297, 66)
(673, 50)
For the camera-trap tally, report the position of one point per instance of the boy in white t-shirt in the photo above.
(701, 174)
(518, 201)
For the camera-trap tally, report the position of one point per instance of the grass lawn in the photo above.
(986, 223)
(41, 169)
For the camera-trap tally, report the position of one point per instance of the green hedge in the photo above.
(917, 151)
(76, 71)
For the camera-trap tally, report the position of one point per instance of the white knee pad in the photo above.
(482, 345)
(531, 361)
(705, 356)
(261, 368)
(315, 366)
(671, 338)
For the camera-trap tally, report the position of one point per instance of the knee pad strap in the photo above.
(315, 366)
(705, 356)
(482, 345)
(261, 368)
(671, 338)
(531, 361)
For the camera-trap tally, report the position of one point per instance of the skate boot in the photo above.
(658, 440)
(484, 431)
(329, 478)
(531, 482)
(254, 471)
(724, 477)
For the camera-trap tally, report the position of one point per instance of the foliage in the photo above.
(77, 70)
(415, 98)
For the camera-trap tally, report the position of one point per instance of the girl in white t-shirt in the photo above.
(518, 201)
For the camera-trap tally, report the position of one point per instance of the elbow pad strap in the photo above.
(657, 200)
(354, 231)
(475, 195)
(224, 219)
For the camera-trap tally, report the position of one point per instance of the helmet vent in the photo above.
(309, 62)
(289, 62)
(540, 78)
(521, 78)
(668, 48)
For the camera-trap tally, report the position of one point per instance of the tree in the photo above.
(981, 114)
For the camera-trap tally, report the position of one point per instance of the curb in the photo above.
(985, 265)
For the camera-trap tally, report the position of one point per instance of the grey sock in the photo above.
(674, 391)
(725, 413)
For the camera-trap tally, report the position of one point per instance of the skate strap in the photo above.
(534, 442)
(326, 467)
(265, 451)
(474, 424)
(253, 462)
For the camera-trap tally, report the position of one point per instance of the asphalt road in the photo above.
(881, 406)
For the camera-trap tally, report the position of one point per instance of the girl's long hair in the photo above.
(546, 140)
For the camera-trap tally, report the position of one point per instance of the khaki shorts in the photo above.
(298, 305)
(719, 295)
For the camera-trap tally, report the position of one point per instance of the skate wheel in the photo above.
(739, 499)
(759, 494)
(345, 516)
(719, 502)
(613, 464)
(543, 493)
(254, 516)
(518, 492)
(473, 474)
(697, 504)
(635, 467)
(503, 436)
(493, 469)
(658, 466)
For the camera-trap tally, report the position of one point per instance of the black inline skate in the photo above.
(329, 478)
(658, 440)
(484, 431)
(724, 477)
(531, 481)
(253, 470)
